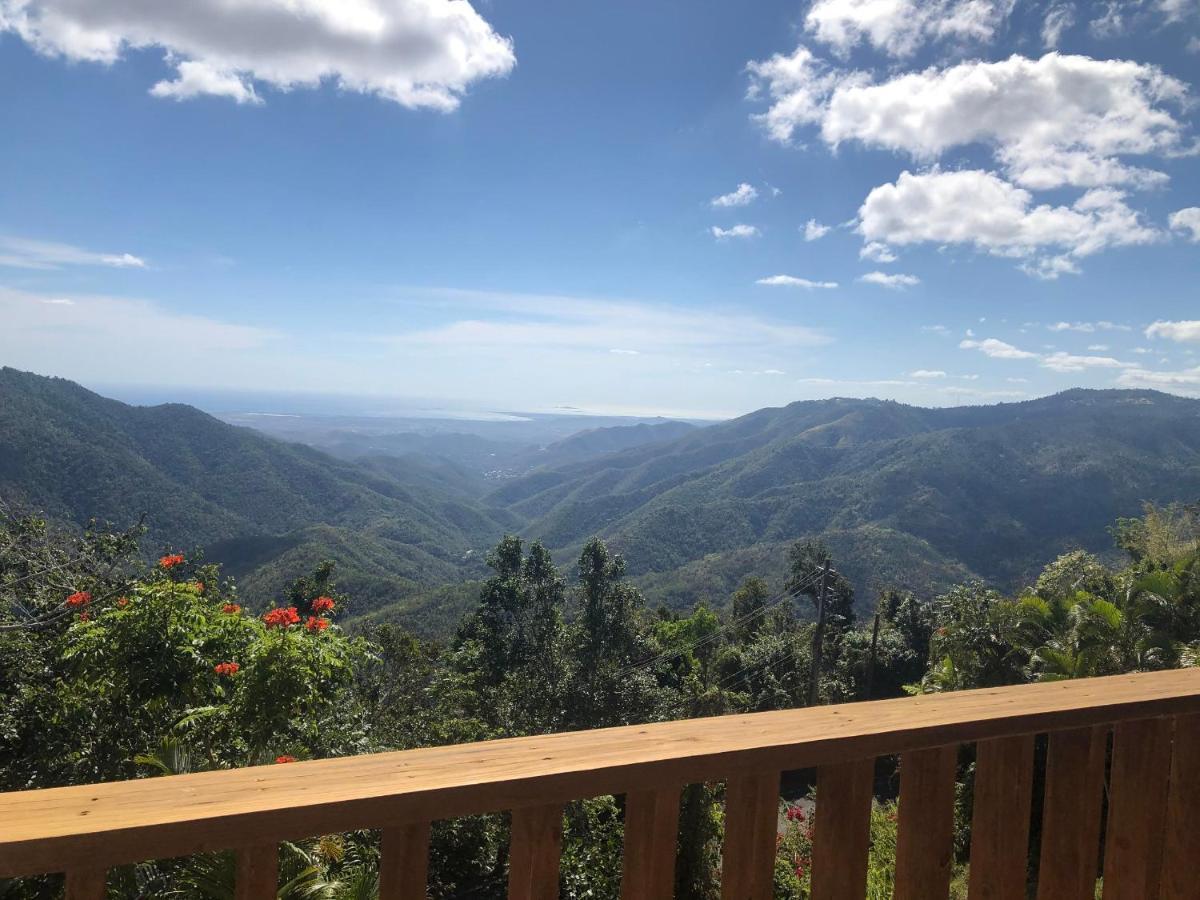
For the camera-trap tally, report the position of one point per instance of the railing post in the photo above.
(404, 862)
(651, 835)
(534, 852)
(87, 884)
(842, 831)
(1000, 819)
(257, 873)
(751, 823)
(1181, 849)
(1071, 814)
(1133, 849)
(925, 844)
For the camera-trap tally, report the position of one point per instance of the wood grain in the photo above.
(87, 884)
(1181, 846)
(925, 844)
(1070, 854)
(751, 823)
(1000, 819)
(843, 830)
(404, 862)
(126, 822)
(1137, 805)
(651, 836)
(534, 853)
(257, 873)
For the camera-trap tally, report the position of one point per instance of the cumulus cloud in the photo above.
(895, 281)
(1058, 361)
(418, 53)
(1187, 331)
(996, 349)
(1185, 381)
(981, 210)
(793, 281)
(743, 195)
(1187, 221)
(939, 330)
(737, 231)
(814, 230)
(899, 27)
(1088, 327)
(23, 253)
(1051, 122)
(877, 252)
(927, 373)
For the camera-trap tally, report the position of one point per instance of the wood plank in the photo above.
(87, 884)
(257, 873)
(404, 862)
(925, 844)
(534, 852)
(751, 823)
(1181, 847)
(119, 823)
(1000, 819)
(842, 833)
(651, 837)
(1071, 812)
(1137, 805)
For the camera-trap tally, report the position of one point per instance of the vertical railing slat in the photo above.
(1181, 846)
(257, 873)
(751, 824)
(651, 836)
(534, 852)
(842, 833)
(1000, 819)
(925, 844)
(1137, 798)
(87, 884)
(1071, 813)
(404, 862)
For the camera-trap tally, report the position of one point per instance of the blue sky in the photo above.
(527, 205)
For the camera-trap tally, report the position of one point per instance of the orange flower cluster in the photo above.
(122, 602)
(79, 598)
(281, 617)
(285, 759)
(199, 586)
(315, 623)
(322, 604)
(232, 608)
(226, 668)
(170, 561)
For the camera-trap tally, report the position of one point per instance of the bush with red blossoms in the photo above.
(170, 561)
(322, 605)
(226, 668)
(281, 617)
(79, 598)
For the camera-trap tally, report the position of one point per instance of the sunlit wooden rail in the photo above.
(1152, 842)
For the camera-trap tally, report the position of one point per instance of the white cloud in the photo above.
(927, 373)
(899, 27)
(1067, 362)
(793, 281)
(619, 352)
(877, 252)
(996, 349)
(23, 253)
(1059, 17)
(737, 231)
(418, 53)
(814, 230)
(1088, 327)
(940, 330)
(1185, 381)
(1183, 332)
(1178, 10)
(889, 280)
(1055, 121)
(1188, 221)
(1098, 348)
(743, 195)
(984, 211)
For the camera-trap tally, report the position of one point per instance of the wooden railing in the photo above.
(1150, 775)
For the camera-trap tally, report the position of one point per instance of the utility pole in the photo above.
(818, 646)
(871, 662)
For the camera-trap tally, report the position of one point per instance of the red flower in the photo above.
(122, 602)
(171, 560)
(226, 668)
(232, 608)
(79, 598)
(281, 617)
(199, 586)
(322, 604)
(315, 624)
(285, 759)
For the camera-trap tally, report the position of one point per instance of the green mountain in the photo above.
(905, 495)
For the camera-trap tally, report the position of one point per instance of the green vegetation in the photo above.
(110, 668)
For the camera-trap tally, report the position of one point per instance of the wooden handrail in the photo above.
(98, 826)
